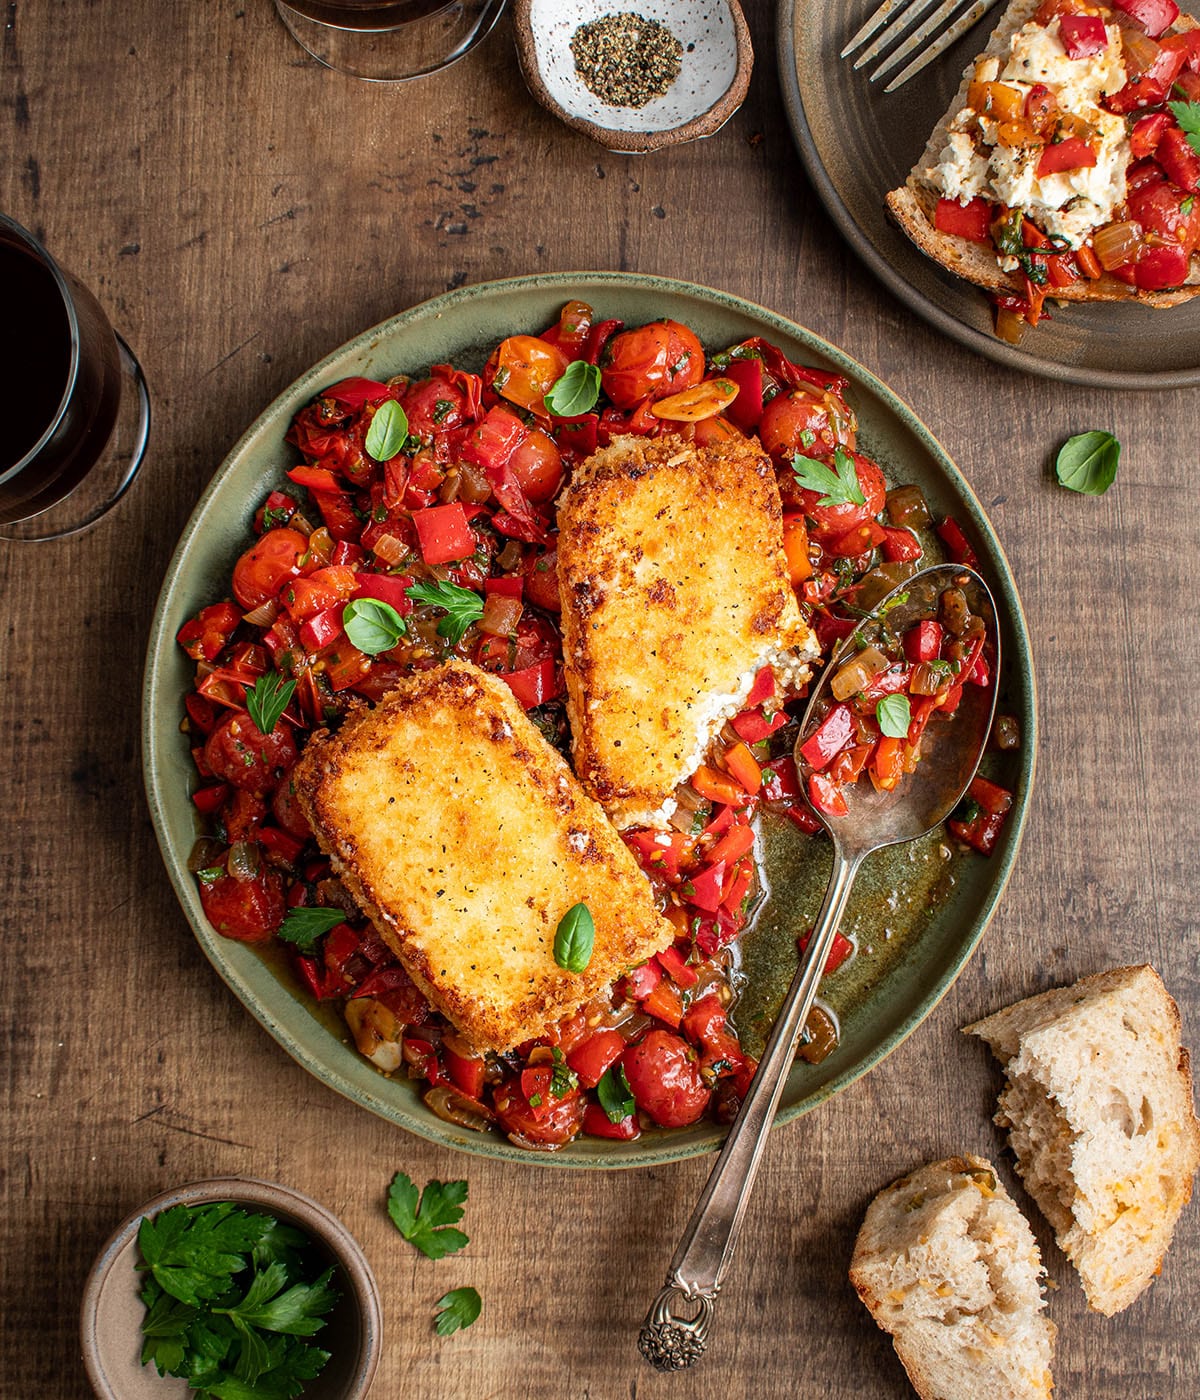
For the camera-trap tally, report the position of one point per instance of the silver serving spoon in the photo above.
(672, 1340)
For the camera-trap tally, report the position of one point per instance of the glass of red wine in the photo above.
(388, 41)
(77, 414)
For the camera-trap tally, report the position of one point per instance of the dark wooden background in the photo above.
(240, 211)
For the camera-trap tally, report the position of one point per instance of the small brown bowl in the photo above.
(714, 74)
(111, 1319)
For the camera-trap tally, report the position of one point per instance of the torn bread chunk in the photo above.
(1023, 99)
(675, 594)
(948, 1265)
(465, 837)
(1098, 1105)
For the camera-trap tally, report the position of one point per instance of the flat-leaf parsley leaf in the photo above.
(1187, 114)
(838, 487)
(1088, 462)
(267, 699)
(456, 1310)
(425, 1225)
(463, 606)
(303, 926)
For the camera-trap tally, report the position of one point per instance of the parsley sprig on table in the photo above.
(426, 1225)
(227, 1300)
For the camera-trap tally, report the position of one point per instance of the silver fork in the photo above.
(892, 19)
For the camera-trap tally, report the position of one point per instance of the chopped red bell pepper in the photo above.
(1083, 36)
(733, 845)
(900, 546)
(661, 852)
(753, 726)
(951, 535)
(665, 1003)
(746, 410)
(848, 765)
(355, 392)
(387, 588)
(598, 337)
(639, 982)
(826, 796)
(839, 950)
(780, 780)
(596, 1123)
(857, 540)
(704, 889)
(208, 799)
(1072, 154)
(890, 682)
(982, 832)
(743, 768)
(830, 737)
(971, 220)
(444, 534)
(205, 636)
(277, 842)
(1161, 267)
(590, 1059)
(534, 685)
(1155, 16)
(201, 712)
(990, 796)
(804, 819)
(718, 787)
(465, 1072)
(510, 586)
(923, 641)
(322, 628)
(1150, 88)
(738, 883)
(316, 479)
(677, 968)
(763, 689)
(1146, 134)
(1179, 159)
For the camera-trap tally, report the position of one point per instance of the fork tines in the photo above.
(892, 21)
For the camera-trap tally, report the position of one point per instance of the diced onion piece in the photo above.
(693, 405)
(301, 523)
(244, 861)
(907, 507)
(474, 487)
(390, 549)
(928, 679)
(1141, 51)
(263, 615)
(320, 547)
(453, 1107)
(377, 1032)
(858, 673)
(501, 613)
(876, 585)
(1010, 326)
(996, 100)
(1116, 244)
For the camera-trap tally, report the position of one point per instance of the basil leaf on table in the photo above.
(575, 938)
(1088, 462)
(388, 430)
(372, 625)
(575, 391)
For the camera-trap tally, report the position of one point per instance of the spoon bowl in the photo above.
(675, 1332)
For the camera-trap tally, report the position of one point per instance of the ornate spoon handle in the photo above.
(673, 1340)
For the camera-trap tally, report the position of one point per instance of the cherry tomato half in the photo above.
(799, 423)
(247, 910)
(433, 406)
(651, 362)
(831, 521)
(559, 1122)
(525, 367)
(537, 464)
(541, 581)
(238, 752)
(267, 565)
(664, 1077)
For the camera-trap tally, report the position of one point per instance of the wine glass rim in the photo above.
(34, 246)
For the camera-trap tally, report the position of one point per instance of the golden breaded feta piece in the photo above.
(675, 593)
(466, 838)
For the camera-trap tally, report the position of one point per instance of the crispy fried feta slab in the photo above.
(675, 593)
(466, 838)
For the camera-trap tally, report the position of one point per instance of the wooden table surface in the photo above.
(240, 212)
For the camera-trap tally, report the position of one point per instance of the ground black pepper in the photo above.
(626, 59)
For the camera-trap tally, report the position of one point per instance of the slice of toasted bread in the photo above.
(675, 593)
(1099, 1110)
(914, 204)
(948, 1265)
(466, 838)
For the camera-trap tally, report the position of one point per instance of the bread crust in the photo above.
(913, 206)
(1099, 1107)
(674, 592)
(946, 1263)
(465, 838)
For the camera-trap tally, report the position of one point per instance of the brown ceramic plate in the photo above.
(858, 142)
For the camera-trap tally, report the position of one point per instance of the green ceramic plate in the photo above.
(919, 945)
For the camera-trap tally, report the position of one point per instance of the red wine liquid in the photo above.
(35, 371)
(35, 351)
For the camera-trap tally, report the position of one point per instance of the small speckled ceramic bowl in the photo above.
(714, 71)
(111, 1319)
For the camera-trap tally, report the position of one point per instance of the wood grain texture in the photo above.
(241, 211)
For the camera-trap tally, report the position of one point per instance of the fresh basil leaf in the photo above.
(894, 714)
(267, 699)
(616, 1097)
(372, 625)
(1088, 462)
(456, 1310)
(1187, 114)
(463, 606)
(303, 926)
(388, 429)
(575, 938)
(837, 487)
(575, 391)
